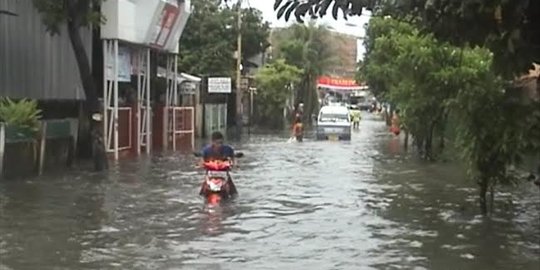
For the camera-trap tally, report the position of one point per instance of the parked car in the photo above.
(334, 123)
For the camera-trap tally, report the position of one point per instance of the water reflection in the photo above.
(315, 205)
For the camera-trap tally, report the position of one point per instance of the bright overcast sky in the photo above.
(353, 26)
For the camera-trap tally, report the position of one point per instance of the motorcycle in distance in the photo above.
(216, 184)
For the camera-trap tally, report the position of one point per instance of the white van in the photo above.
(334, 123)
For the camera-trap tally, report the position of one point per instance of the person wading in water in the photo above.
(298, 130)
(395, 123)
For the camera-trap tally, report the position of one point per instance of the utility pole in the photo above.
(239, 109)
(251, 92)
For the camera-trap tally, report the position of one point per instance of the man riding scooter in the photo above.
(218, 151)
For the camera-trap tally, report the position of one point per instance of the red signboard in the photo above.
(169, 15)
(336, 82)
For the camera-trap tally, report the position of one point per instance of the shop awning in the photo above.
(342, 84)
(182, 77)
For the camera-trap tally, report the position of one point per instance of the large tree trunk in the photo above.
(429, 143)
(92, 103)
(492, 198)
(406, 141)
(442, 136)
(483, 183)
(310, 99)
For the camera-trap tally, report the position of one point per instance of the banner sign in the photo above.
(124, 65)
(339, 82)
(164, 26)
(219, 85)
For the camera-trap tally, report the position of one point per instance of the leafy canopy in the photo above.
(415, 72)
(208, 43)
(439, 87)
(508, 28)
(57, 12)
(310, 48)
(274, 83)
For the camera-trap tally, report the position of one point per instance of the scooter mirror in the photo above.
(197, 154)
(239, 155)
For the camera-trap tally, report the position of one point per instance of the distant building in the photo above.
(34, 64)
(346, 47)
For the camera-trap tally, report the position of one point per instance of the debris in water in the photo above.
(467, 256)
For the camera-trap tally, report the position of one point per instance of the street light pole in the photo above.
(239, 109)
(251, 90)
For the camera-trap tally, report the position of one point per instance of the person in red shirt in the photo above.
(298, 130)
(395, 128)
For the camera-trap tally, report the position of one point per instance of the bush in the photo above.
(22, 114)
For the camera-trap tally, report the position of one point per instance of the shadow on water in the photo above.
(363, 204)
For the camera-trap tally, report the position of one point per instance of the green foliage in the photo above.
(255, 32)
(377, 74)
(23, 114)
(57, 12)
(488, 138)
(508, 28)
(308, 48)
(446, 64)
(209, 40)
(273, 89)
(415, 72)
(435, 83)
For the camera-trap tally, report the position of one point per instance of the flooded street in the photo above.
(315, 205)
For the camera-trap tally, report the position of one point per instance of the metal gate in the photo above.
(181, 127)
(215, 118)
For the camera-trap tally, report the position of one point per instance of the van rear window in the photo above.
(327, 117)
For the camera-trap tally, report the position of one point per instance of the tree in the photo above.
(434, 81)
(415, 72)
(255, 33)
(273, 89)
(508, 28)
(209, 39)
(76, 15)
(488, 136)
(309, 48)
(377, 76)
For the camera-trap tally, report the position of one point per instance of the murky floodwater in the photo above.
(315, 205)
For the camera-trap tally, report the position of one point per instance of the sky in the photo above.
(352, 26)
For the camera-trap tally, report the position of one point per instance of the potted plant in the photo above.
(21, 119)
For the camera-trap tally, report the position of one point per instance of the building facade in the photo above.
(34, 64)
(346, 52)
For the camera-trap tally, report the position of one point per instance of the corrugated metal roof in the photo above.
(34, 64)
